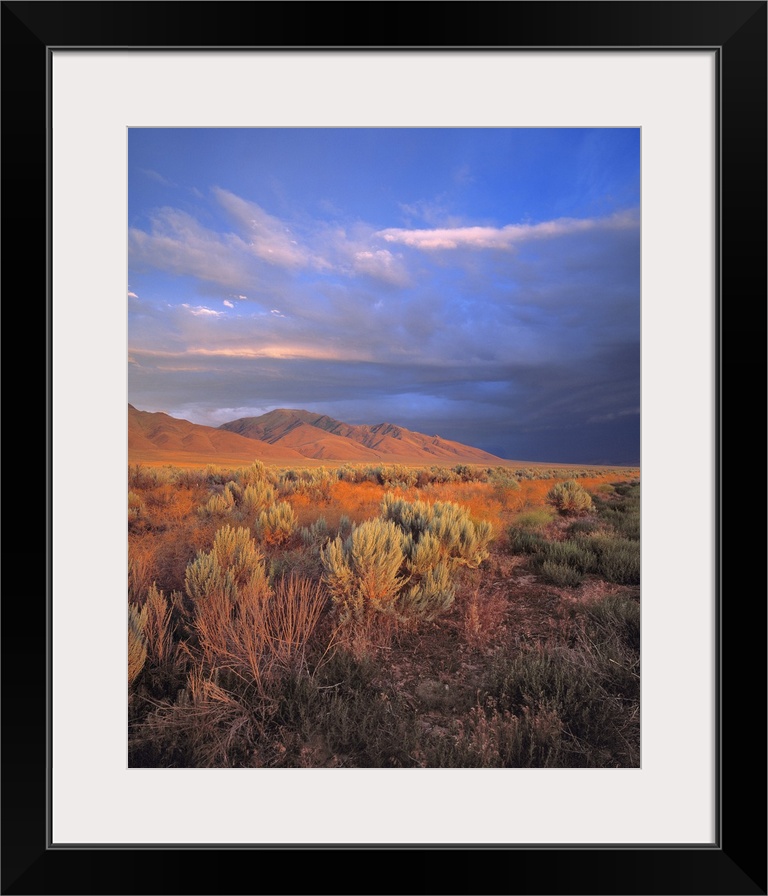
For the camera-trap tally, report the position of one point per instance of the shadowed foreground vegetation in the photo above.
(385, 616)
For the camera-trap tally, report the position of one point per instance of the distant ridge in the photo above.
(321, 437)
(156, 437)
(287, 436)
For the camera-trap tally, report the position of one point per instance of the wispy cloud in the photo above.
(267, 237)
(502, 237)
(180, 245)
(157, 177)
(382, 265)
(278, 350)
(435, 212)
(201, 311)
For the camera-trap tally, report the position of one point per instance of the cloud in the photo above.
(356, 251)
(435, 212)
(261, 249)
(180, 245)
(267, 237)
(502, 237)
(266, 349)
(382, 265)
(463, 175)
(615, 415)
(537, 336)
(132, 295)
(157, 177)
(201, 311)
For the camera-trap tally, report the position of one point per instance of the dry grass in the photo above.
(483, 616)
(261, 634)
(206, 727)
(231, 677)
(359, 501)
(158, 627)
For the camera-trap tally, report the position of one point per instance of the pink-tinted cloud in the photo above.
(201, 311)
(502, 237)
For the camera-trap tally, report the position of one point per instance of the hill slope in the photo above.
(157, 437)
(287, 437)
(318, 436)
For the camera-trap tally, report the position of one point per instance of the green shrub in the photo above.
(257, 496)
(236, 552)
(276, 524)
(461, 539)
(218, 505)
(441, 475)
(616, 559)
(561, 574)
(613, 559)
(135, 506)
(569, 497)
(431, 596)
(204, 577)
(466, 473)
(622, 510)
(363, 572)
(214, 475)
(582, 527)
(400, 564)
(253, 474)
(615, 617)
(610, 636)
(575, 554)
(234, 489)
(503, 478)
(535, 519)
(233, 564)
(627, 525)
(422, 553)
(397, 476)
(599, 729)
(525, 541)
(317, 534)
(189, 478)
(142, 478)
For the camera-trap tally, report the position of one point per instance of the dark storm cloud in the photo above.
(493, 336)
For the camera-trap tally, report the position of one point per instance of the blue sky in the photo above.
(478, 284)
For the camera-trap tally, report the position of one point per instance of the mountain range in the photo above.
(287, 436)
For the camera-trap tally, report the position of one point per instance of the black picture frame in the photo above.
(736, 862)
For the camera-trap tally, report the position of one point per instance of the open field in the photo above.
(191, 459)
(383, 615)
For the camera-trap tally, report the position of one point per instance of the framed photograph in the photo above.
(690, 79)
